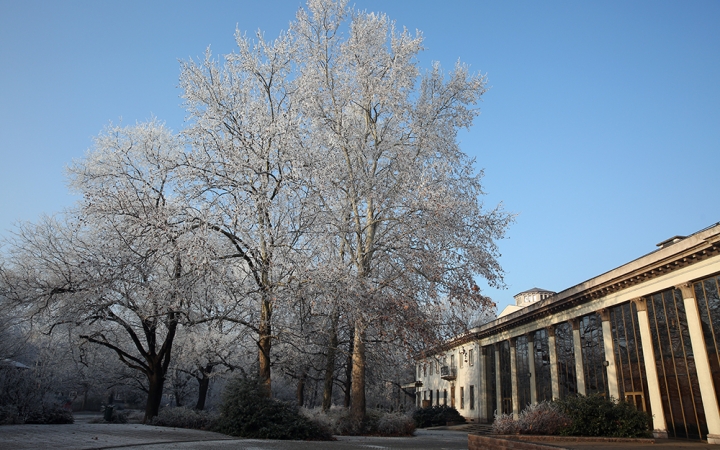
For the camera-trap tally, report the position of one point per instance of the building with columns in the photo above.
(647, 332)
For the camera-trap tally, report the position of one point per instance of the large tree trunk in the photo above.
(204, 382)
(265, 344)
(357, 392)
(330, 366)
(348, 370)
(156, 381)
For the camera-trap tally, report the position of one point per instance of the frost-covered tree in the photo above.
(123, 266)
(318, 198)
(392, 182)
(247, 181)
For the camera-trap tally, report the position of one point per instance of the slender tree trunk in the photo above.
(265, 344)
(357, 392)
(300, 394)
(84, 401)
(204, 382)
(348, 370)
(330, 366)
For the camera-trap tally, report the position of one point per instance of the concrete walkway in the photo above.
(83, 435)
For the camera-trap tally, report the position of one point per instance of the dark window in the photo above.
(505, 378)
(708, 299)
(675, 364)
(490, 393)
(629, 362)
(566, 359)
(523, 370)
(543, 382)
(593, 354)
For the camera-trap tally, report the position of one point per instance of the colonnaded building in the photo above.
(647, 332)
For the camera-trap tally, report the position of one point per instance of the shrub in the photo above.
(595, 415)
(50, 416)
(376, 423)
(542, 418)
(246, 412)
(394, 424)
(505, 424)
(116, 417)
(437, 415)
(185, 418)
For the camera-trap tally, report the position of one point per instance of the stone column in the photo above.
(611, 368)
(702, 363)
(498, 380)
(658, 413)
(531, 365)
(513, 379)
(482, 386)
(577, 347)
(554, 379)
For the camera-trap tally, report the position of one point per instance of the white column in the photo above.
(658, 413)
(554, 379)
(702, 364)
(611, 371)
(482, 386)
(498, 380)
(577, 347)
(513, 379)
(531, 364)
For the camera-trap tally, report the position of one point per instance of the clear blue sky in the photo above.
(601, 129)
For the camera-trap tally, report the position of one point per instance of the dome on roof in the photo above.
(531, 296)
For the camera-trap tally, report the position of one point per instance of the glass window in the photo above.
(470, 357)
(522, 364)
(505, 378)
(675, 364)
(593, 354)
(565, 359)
(462, 397)
(543, 383)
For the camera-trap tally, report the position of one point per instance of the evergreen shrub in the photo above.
(247, 412)
(437, 415)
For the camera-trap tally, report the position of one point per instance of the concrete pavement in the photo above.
(94, 436)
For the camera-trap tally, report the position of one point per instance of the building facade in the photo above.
(647, 332)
